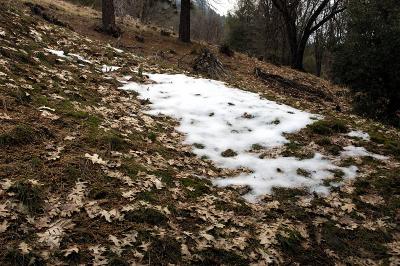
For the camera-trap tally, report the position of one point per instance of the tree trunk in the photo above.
(318, 52)
(184, 24)
(108, 14)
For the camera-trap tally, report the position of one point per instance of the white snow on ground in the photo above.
(63, 55)
(106, 68)
(115, 49)
(352, 151)
(221, 118)
(56, 52)
(359, 134)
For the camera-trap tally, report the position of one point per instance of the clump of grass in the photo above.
(146, 215)
(19, 135)
(29, 195)
(328, 127)
(228, 153)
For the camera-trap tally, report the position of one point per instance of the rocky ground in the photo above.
(86, 177)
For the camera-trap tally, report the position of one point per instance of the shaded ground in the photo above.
(87, 177)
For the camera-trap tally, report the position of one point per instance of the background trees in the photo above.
(302, 18)
(369, 59)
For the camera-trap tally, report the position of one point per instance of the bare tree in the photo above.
(302, 18)
(184, 23)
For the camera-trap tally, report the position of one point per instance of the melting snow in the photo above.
(63, 55)
(221, 118)
(359, 134)
(352, 151)
(106, 68)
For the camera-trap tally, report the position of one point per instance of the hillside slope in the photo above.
(87, 177)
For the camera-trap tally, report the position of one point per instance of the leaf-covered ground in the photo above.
(87, 178)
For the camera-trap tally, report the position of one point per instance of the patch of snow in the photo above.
(353, 151)
(115, 49)
(2, 33)
(106, 68)
(221, 118)
(80, 58)
(359, 134)
(56, 52)
(63, 55)
(118, 50)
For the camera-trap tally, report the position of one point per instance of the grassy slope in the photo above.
(142, 201)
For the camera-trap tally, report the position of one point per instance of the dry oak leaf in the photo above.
(96, 159)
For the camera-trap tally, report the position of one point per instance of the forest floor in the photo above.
(88, 176)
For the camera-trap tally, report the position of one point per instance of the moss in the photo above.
(19, 135)
(303, 172)
(29, 195)
(334, 149)
(146, 215)
(132, 168)
(294, 149)
(15, 257)
(100, 192)
(148, 196)
(290, 241)
(199, 187)
(164, 251)
(20, 96)
(285, 194)
(228, 153)
(239, 209)
(152, 136)
(199, 146)
(256, 147)
(214, 256)
(324, 141)
(360, 242)
(114, 260)
(328, 127)
(115, 142)
(36, 162)
(167, 176)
